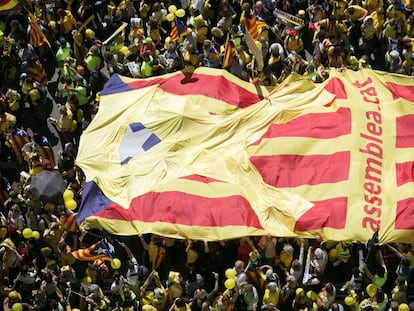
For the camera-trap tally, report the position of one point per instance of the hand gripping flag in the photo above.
(96, 251)
(203, 155)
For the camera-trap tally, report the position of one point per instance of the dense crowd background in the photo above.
(55, 58)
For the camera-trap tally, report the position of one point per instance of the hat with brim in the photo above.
(7, 243)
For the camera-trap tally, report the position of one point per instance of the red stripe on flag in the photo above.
(201, 84)
(313, 125)
(186, 209)
(405, 131)
(8, 5)
(405, 214)
(330, 213)
(405, 173)
(337, 87)
(203, 179)
(174, 32)
(228, 53)
(297, 170)
(401, 91)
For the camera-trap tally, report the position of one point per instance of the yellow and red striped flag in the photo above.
(37, 37)
(96, 251)
(228, 52)
(68, 221)
(6, 5)
(178, 28)
(252, 23)
(206, 156)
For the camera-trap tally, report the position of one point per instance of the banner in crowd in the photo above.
(206, 156)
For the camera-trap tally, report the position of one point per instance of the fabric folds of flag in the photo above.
(228, 53)
(68, 221)
(37, 37)
(94, 252)
(253, 24)
(205, 156)
(6, 5)
(178, 28)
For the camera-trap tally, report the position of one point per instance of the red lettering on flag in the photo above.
(297, 170)
(201, 84)
(405, 213)
(330, 213)
(176, 207)
(405, 131)
(313, 125)
(401, 91)
(405, 172)
(337, 87)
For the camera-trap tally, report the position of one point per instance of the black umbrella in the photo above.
(48, 186)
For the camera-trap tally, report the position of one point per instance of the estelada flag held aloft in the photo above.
(37, 37)
(178, 28)
(206, 156)
(96, 251)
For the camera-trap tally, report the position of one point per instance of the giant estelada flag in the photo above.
(204, 155)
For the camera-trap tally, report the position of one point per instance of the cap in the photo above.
(292, 33)
(89, 33)
(394, 54)
(94, 287)
(147, 40)
(23, 76)
(46, 250)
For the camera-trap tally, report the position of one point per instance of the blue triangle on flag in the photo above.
(93, 201)
(115, 85)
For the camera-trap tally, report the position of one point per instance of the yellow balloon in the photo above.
(349, 300)
(230, 273)
(170, 17)
(68, 195)
(180, 13)
(404, 307)
(115, 263)
(27, 233)
(36, 235)
(172, 8)
(230, 283)
(71, 204)
(311, 295)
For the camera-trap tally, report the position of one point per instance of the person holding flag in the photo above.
(250, 21)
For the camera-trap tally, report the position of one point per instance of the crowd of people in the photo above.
(57, 56)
